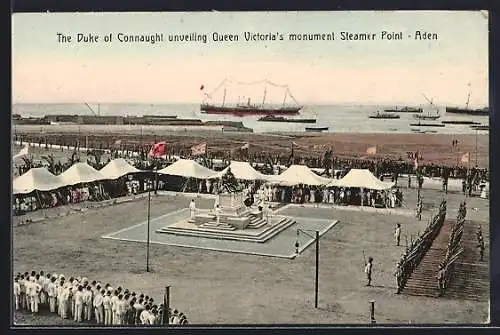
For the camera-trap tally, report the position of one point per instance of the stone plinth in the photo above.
(233, 212)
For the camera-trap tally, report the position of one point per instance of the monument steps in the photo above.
(217, 233)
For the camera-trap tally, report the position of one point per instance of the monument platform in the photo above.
(236, 222)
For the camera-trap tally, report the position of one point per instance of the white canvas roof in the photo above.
(81, 173)
(36, 179)
(189, 169)
(299, 174)
(362, 178)
(118, 168)
(243, 171)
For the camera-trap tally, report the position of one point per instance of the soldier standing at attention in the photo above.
(78, 304)
(89, 301)
(368, 271)
(22, 293)
(114, 308)
(398, 275)
(52, 292)
(397, 234)
(441, 279)
(98, 306)
(106, 302)
(17, 292)
(192, 208)
(481, 249)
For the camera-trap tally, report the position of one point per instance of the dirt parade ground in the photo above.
(434, 148)
(213, 287)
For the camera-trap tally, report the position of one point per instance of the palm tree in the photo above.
(74, 158)
(28, 162)
(327, 162)
(97, 156)
(50, 160)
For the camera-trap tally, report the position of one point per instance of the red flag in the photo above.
(158, 150)
(199, 149)
(371, 150)
(465, 157)
(202, 87)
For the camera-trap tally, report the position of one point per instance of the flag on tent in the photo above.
(371, 150)
(199, 149)
(465, 157)
(22, 152)
(202, 87)
(158, 150)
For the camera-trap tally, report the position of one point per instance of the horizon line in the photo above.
(310, 103)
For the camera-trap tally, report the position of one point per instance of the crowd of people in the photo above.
(82, 300)
(416, 249)
(453, 250)
(265, 161)
(472, 179)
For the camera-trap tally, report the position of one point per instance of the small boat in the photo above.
(460, 122)
(316, 129)
(480, 127)
(274, 118)
(384, 116)
(419, 124)
(420, 131)
(405, 109)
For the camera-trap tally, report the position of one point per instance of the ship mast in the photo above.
(467, 103)
(264, 98)
(224, 98)
(284, 99)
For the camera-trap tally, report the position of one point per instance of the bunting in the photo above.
(158, 150)
(199, 149)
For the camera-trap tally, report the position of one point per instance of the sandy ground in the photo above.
(435, 148)
(221, 288)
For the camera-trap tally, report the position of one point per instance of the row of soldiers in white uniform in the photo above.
(82, 300)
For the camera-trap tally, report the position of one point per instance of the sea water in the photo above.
(338, 118)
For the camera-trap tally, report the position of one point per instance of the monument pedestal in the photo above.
(233, 212)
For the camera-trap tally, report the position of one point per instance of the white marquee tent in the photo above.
(243, 171)
(362, 178)
(189, 169)
(36, 179)
(300, 174)
(118, 168)
(81, 173)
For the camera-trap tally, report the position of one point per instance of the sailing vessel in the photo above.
(485, 111)
(250, 108)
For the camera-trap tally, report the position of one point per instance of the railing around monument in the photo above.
(454, 247)
(414, 253)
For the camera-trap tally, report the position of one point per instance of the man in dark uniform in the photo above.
(441, 279)
(368, 271)
(481, 249)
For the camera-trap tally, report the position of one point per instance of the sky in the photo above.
(46, 70)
